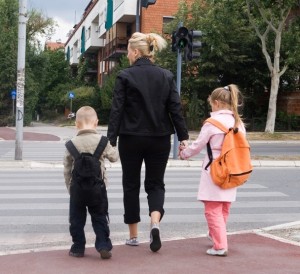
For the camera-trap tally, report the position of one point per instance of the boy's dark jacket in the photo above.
(146, 103)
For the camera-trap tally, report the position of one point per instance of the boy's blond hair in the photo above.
(86, 115)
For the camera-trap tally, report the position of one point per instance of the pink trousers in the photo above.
(216, 214)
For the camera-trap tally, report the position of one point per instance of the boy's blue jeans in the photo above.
(77, 219)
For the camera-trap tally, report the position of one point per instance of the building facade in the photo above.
(101, 36)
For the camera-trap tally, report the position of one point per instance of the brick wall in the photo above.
(152, 17)
(289, 103)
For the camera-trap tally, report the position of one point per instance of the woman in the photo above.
(145, 109)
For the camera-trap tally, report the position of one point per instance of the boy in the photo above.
(85, 193)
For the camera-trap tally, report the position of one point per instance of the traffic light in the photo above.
(180, 39)
(174, 46)
(193, 44)
(146, 3)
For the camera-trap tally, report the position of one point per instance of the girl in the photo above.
(224, 102)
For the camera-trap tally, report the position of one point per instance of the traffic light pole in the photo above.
(137, 16)
(178, 83)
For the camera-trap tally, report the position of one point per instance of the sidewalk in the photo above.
(249, 252)
(267, 250)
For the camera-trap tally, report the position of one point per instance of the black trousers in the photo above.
(93, 199)
(154, 151)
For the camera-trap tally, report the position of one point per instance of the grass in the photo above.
(263, 136)
(277, 136)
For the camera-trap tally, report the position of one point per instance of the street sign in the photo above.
(71, 95)
(13, 94)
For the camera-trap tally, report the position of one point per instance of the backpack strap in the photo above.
(210, 156)
(220, 126)
(101, 146)
(217, 124)
(72, 149)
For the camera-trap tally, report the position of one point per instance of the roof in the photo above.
(53, 45)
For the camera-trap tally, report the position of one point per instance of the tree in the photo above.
(37, 25)
(269, 20)
(57, 80)
(8, 52)
(228, 53)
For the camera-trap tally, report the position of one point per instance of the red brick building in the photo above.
(155, 16)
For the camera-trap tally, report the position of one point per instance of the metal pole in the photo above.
(13, 106)
(20, 78)
(137, 16)
(178, 82)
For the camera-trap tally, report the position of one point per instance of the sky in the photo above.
(66, 14)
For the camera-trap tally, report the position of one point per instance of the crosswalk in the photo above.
(34, 151)
(34, 208)
(47, 151)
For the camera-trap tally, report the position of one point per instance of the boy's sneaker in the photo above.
(219, 252)
(155, 243)
(105, 254)
(76, 253)
(132, 241)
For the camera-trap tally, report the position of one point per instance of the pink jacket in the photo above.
(208, 191)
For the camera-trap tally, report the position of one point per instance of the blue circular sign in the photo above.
(13, 94)
(71, 95)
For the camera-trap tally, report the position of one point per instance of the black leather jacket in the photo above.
(146, 103)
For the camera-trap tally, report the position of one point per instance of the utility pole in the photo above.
(20, 78)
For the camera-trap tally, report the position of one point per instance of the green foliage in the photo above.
(84, 96)
(287, 122)
(37, 24)
(56, 80)
(272, 17)
(82, 69)
(106, 90)
(231, 53)
(195, 112)
(8, 51)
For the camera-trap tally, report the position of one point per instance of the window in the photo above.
(166, 21)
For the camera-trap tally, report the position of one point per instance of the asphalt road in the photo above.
(53, 151)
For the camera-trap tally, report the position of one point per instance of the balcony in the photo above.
(93, 42)
(116, 48)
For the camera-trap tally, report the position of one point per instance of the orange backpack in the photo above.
(233, 167)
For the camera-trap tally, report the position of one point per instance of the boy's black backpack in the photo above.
(87, 183)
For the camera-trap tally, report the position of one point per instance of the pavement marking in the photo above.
(47, 201)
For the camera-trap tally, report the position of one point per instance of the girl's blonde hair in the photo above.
(147, 43)
(231, 97)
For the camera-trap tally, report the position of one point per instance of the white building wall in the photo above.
(94, 24)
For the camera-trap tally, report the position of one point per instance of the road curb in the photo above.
(171, 163)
